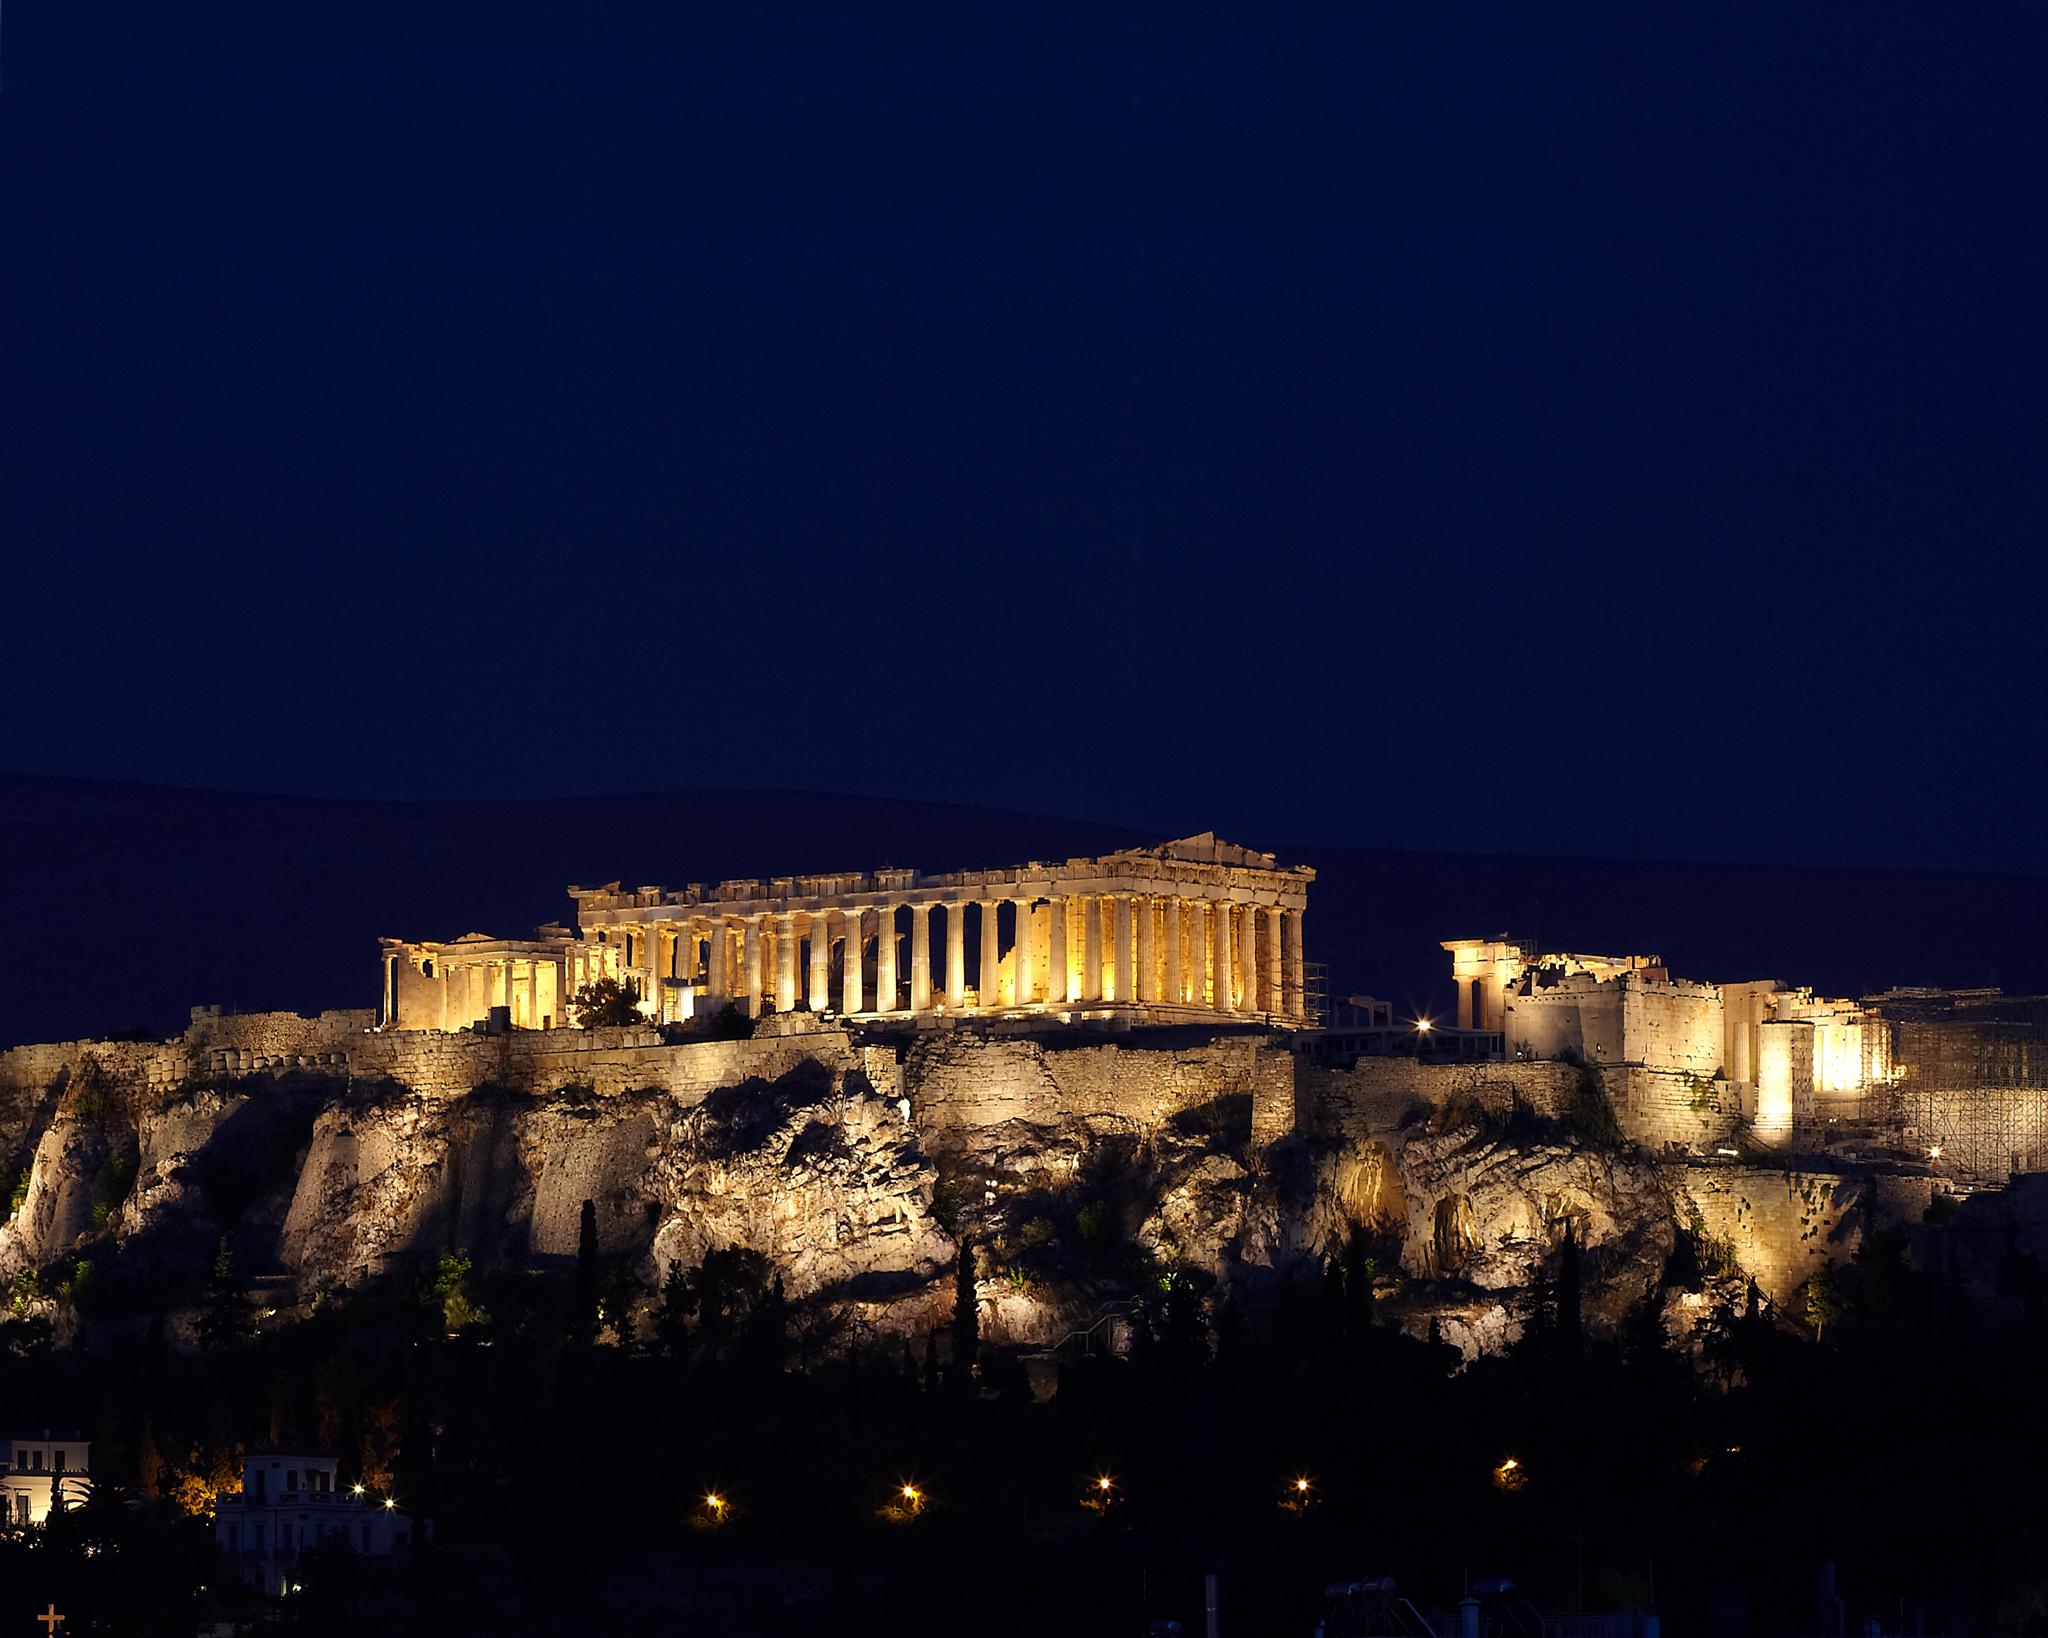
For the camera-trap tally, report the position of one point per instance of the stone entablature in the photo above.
(1182, 932)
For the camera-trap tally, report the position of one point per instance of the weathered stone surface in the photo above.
(57, 1210)
(329, 1152)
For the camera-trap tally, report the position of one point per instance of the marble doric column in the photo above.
(821, 961)
(1126, 951)
(714, 968)
(1091, 947)
(956, 954)
(1176, 990)
(1220, 973)
(1270, 940)
(920, 958)
(1294, 979)
(1056, 966)
(885, 958)
(1248, 957)
(850, 998)
(1147, 987)
(785, 963)
(988, 985)
(533, 994)
(750, 976)
(1027, 978)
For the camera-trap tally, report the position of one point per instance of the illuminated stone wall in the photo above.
(1665, 1106)
(1782, 1225)
(959, 1081)
(1627, 1019)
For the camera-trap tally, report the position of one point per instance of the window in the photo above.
(35, 1462)
(20, 1507)
(21, 1460)
(291, 1479)
(57, 1460)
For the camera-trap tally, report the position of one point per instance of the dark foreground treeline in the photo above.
(569, 1474)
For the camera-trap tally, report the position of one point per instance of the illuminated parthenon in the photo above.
(1181, 932)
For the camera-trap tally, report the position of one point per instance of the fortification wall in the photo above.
(1577, 1017)
(278, 1034)
(960, 1080)
(1672, 1026)
(1377, 1096)
(607, 1061)
(1661, 1106)
(1782, 1225)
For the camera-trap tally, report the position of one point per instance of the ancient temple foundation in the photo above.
(1184, 932)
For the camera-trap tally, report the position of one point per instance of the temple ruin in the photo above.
(1184, 932)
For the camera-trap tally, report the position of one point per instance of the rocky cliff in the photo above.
(1080, 1166)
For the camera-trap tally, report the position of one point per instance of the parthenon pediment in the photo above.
(1205, 847)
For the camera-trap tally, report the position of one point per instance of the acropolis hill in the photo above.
(820, 1061)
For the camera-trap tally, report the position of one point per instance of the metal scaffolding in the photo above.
(1969, 1078)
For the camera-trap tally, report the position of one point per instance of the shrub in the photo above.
(730, 1024)
(1095, 1223)
(111, 1185)
(607, 1003)
(945, 1206)
(1589, 1113)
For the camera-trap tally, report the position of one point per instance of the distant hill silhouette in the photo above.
(127, 904)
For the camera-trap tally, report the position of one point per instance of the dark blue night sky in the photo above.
(1602, 429)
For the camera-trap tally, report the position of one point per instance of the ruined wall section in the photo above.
(1781, 1226)
(1377, 1097)
(958, 1081)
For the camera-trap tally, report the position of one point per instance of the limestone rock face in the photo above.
(827, 1181)
(823, 1153)
(57, 1210)
(1489, 1212)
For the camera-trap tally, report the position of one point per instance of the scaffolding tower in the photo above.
(1969, 1079)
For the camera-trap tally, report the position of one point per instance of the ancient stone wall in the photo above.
(279, 1034)
(1628, 1019)
(1673, 1026)
(959, 1080)
(1377, 1096)
(1664, 1106)
(1782, 1225)
(1577, 1017)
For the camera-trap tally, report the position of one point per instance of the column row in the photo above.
(1151, 949)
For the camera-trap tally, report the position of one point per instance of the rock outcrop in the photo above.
(327, 1153)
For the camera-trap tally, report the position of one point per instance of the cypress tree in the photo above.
(966, 1316)
(224, 1317)
(1570, 1325)
(586, 1274)
(672, 1318)
(1358, 1283)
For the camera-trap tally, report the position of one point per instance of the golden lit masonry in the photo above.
(1179, 933)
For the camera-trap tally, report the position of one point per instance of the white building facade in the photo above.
(292, 1504)
(40, 1474)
